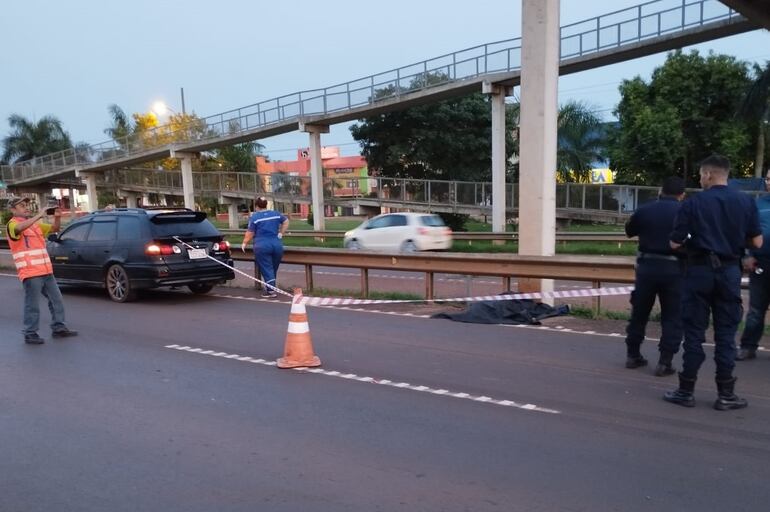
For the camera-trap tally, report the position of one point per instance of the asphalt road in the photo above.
(408, 414)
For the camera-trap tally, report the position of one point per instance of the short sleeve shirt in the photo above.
(718, 221)
(45, 228)
(266, 223)
(652, 223)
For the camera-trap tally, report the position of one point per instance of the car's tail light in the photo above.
(447, 231)
(224, 245)
(422, 231)
(162, 250)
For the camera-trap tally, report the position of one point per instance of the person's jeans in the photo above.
(759, 300)
(33, 288)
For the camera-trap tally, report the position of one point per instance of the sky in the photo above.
(73, 59)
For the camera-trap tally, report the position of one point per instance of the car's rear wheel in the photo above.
(118, 285)
(200, 288)
(353, 245)
(409, 246)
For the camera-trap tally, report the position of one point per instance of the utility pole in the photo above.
(181, 89)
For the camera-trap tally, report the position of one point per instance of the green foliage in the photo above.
(5, 216)
(684, 113)
(755, 110)
(105, 197)
(448, 140)
(29, 139)
(310, 218)
(454, 221)
(581, 141)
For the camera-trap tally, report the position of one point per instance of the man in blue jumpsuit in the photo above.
(266, 228)
(757, 263)
(658, 273)
(714, 226)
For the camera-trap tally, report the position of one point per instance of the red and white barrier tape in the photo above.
(585, 292)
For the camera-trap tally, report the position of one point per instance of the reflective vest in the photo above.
(29, 253)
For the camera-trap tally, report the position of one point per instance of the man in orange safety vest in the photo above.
(26, 238)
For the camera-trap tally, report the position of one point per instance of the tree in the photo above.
(448, 140)
(684, 113)
(29, 139)
(755, 110)
(580, 140)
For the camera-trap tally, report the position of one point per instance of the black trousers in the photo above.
(662, 279)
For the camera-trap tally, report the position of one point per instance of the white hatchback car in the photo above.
(406, 232)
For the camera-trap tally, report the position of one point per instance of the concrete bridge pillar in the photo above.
(91, 194)
(232, 211)
(40, 199)
(188, 191)
(316, 172)
(497, 95)
(131, 198)
(73, 203)
(539, 111)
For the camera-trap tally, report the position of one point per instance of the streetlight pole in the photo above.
(181, 89)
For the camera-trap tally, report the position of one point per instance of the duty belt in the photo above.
(654, 256)
(712, 260)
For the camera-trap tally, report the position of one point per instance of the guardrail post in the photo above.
(309, 277)
(597, 300)
(365, 283)
(506, 284)
(428, 285)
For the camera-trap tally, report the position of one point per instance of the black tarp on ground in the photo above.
(515, 311)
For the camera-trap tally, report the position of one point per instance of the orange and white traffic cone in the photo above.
(298, 350)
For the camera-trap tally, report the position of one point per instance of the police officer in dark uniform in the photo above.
(714, 226)
(757, 263)
(658, 274)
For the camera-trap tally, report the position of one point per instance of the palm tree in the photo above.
(121, 124)
(755, 108)
(581, 141)
(29, 139)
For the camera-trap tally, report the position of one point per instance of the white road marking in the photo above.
(372, 380)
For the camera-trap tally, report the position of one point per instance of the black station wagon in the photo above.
(129, 249)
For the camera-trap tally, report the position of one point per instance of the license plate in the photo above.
(196, 254)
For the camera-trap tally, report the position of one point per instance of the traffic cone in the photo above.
(298, 350)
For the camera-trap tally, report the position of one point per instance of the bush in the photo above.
(455, 221)
(5, 217)
(310, 218)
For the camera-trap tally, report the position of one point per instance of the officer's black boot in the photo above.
(682, 396)
(664, 366)
(634, 358)
(727, 399)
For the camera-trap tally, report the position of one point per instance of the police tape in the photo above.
(267, 286)
(584, 292)
(341, 301)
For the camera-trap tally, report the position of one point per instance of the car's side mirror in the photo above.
(53, 237)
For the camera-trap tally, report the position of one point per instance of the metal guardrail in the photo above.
(594, 269)
(638, 24)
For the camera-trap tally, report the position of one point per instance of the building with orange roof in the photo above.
(348, 176)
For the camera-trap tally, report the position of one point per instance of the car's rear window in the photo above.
(431, 220)
(167, 228)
